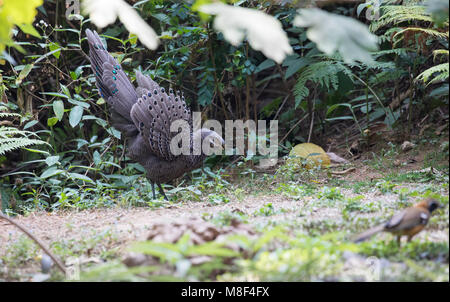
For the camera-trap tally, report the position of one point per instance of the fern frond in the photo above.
(6, 132)
(9, 114)
(324, 72)
(430, 32)
(429, 76)
(300, 89)
(12, 138)
(438, 52)
(396, 51)
(387, 75)
(10, 144)
(397, 14)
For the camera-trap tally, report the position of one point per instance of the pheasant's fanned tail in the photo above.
(113, 84)
(154, 113)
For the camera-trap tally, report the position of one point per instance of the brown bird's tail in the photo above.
(369, 233)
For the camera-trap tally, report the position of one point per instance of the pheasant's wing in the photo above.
(410, 218)
(154, 112)
(113, 85)
(395, 220)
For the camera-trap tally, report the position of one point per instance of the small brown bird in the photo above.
(408, 222)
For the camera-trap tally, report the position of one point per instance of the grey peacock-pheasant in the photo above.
(143, 115)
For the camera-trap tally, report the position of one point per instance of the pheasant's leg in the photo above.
(153, 190)
(162, 192)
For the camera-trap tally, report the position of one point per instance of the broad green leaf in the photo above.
(58, 108)
(51, 160)
(65, 90)
(364, 109)
(264, 65)
(54, 46)
(52, 121)
(73, 75)
(29, 29)
(80, 177)
(295, 66)
(97, 158)
(78, 103)
(75, 116)
(132, 38)
(114, 132)
(30, 124)
(52, 171)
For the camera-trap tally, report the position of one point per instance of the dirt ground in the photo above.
(131, 224)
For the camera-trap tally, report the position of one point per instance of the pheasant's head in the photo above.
(211, 141)
(430, 204)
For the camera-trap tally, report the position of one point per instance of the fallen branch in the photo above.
(35, 239)
(343, 172)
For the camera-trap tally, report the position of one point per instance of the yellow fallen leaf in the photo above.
(311, 153)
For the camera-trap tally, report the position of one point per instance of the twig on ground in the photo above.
(35, 239)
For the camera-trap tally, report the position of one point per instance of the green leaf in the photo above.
(58, 108)
(65, 90)
(75, 116)
(23, 74)
(52, 121)
(335, 106)
(96, 157)
(51, 160)
(30, 124)
(264, 65)
(365, 109)
(80, 177)
(54, 46)
(73, 75)
(295, 66)
(55, 94)
(391, 118)
(37, 151)
(52, 171)
(29, 29)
